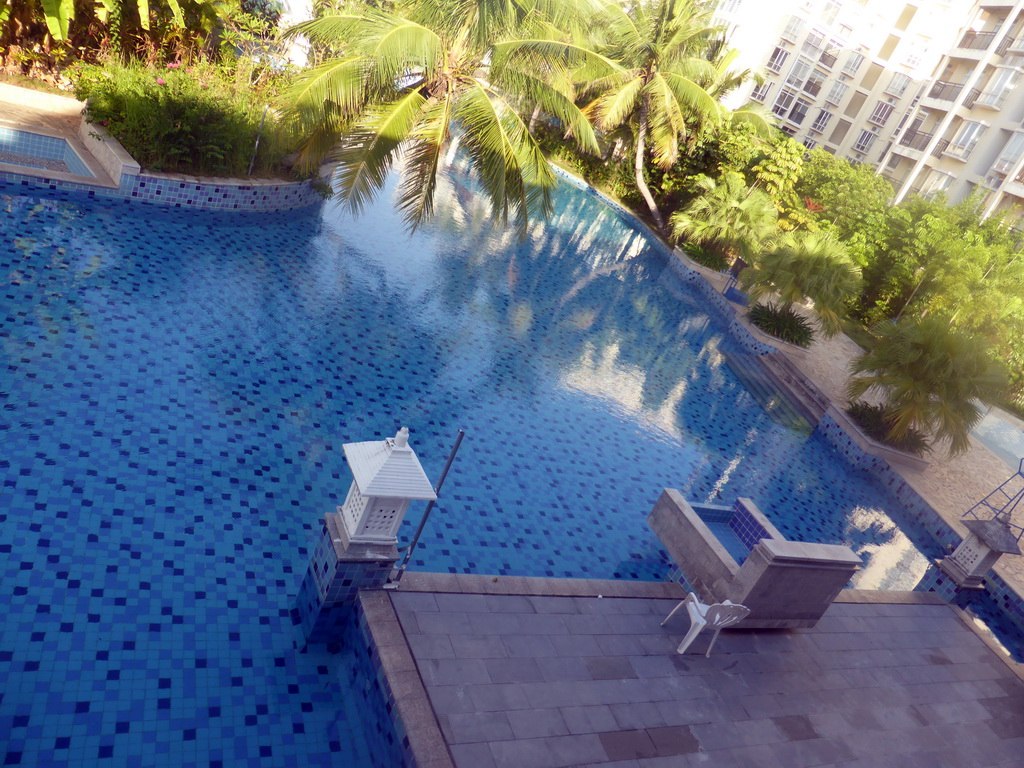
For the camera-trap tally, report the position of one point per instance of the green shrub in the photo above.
(783, 323)
(705, 257)
(183, 119)
(876, 422)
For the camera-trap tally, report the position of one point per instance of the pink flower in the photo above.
(203, 85)
(160, 81)
(173, 64)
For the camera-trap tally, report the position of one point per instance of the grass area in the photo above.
(36, 85)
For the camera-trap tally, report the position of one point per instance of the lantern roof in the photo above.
(388, 468)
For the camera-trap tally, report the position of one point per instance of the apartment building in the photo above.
(965, 131)
(841, 75)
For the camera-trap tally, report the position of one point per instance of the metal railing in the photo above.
(940, 148)
(977, 41)
(945, 91)
(916, 139)
(828, 59)
(972, 97)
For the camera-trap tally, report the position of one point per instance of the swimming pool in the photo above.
(176, 390)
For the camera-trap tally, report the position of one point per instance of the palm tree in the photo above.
(802, 266)
(412, 78)
(739, 218)
(931, 376)
(655, 80)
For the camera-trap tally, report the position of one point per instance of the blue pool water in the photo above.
(176, 388)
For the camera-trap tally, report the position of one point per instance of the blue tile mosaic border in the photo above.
(156, 189)
(1011, 602)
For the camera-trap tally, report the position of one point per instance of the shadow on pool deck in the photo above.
(538, 673)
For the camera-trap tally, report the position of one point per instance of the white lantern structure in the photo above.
(387, 476)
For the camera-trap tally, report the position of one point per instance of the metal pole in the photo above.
(429, 509)
(256, 147)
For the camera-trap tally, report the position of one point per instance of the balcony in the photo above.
(916, 139)
(972, 97)
(827, 59)
(990, 100)
(977, 41)
(944, 91)
(1014, 44)
(940, 148)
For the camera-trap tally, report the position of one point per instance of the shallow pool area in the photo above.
(40, 152)
(175, 393)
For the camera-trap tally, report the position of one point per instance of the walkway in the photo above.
(540, 673)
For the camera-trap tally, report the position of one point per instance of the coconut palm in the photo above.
(727, 212)
(803, 266)
(931, 375)
(412, 78)
(657, 80)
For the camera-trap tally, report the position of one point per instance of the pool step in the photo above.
(765, 390)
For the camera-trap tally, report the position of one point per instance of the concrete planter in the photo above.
(872, 447)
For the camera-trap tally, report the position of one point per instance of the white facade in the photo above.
(966, 131)
(840, 75)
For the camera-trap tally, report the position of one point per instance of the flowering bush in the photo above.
(183, 119)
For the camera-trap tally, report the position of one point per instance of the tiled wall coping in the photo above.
(108, 151)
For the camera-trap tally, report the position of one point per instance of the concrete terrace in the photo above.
(537, 673)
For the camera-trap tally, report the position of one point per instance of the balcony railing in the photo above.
(972, 97)
(916, 139)
(945, 91)
(828, 59)
(940, 148)
(977, 41)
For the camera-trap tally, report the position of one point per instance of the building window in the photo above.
(792, 30)
(777, 60)
(913, 59)
(821, 121)
(1010, 155)
(812, 44)
(936, 182)
(853, 64)
(810, 143)
(1003, 81)
(966, 140)
(728, 6)
(798, 73)
(836, 93)
(881, 113)
(783, 102)
(761, 92)
(898, 85)
(814, 82)
(799, 111)
(864, 141)
(830, 11)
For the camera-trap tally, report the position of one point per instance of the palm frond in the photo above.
(422, 161)
(367, 152)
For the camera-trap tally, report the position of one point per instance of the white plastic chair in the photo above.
(717, 616)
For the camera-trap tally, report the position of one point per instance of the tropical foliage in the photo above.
(740, 220)
(194, 119)
(876, 421)
(658, 84)
(782, 322)
(417, 78)
(806, 266)
(931, 376)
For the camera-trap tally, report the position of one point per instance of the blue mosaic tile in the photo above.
(175, 391)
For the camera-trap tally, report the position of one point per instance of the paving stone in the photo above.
(623, 745)
(479, 726)
(609, 668)
(472, 756)
(673, 740)
(534, 723)
(795, 727)
(513, 670)
(592, 719)
(478, 646)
